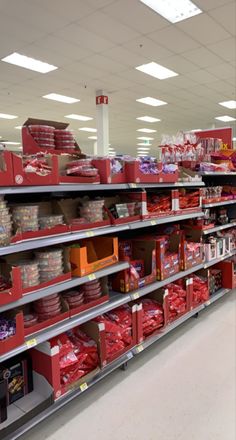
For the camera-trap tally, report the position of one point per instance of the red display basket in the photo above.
(14, 341)
(106, 175)
(22, 178)
(133, 174)
(6, 169)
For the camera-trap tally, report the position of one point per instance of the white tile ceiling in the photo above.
(97, 44)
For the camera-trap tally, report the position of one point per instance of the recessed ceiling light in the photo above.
(151, 101)
(6, 116)
(156, 70)
(144, 138)
(174, 11)
(146, 130)
(18, 127)
(225, 118)
(196, 129)
(229, 104)
(11, 143)
(92, 130)
(234, 139)
(29, 63)
(79, 117)
(144, 148)
(93, 137)
(148, 119)
(61, 98)
(145, 144)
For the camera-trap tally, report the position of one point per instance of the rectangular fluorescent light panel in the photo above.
(29, 63)
(61, 98)
(225, 118)
(228, 104)
(156, 70)
(151, 101)
(146, 130)
(79, 117)
(173, 10)
(92, 130)
(6, 116)
(144, 138)
(11, 143)
(144, 144)
(148, 119)
(18, 127)
(93, 137)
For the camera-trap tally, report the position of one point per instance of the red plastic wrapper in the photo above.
(176, 300)
(200, 290)
(152, 316)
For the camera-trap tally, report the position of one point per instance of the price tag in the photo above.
(153, 222)
(83, 386)
(90, 234)
(208, 303)
(135, 295)
(133, 185)
(139, 348)
(31, 343)
(92, 276)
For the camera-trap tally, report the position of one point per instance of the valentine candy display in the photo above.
(5, 223)
(50, 264)
(152, 316)
(25, 218)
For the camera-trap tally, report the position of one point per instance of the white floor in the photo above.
(182, 388)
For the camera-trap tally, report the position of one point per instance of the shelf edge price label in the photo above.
(153, 222)
(135, 295)
(31, 343)
(208, 303)
(133, 185)
(83, 386)
(139, 348)
(90, 234)
(92, 276)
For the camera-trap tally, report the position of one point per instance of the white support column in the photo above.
(102, 123)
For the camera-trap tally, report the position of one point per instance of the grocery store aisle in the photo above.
(182, 388)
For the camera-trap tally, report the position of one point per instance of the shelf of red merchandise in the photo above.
(40, 242)
(109, 368)
(218, 228)
(224, 202)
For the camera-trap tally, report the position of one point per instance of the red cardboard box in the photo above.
(22, 178)
(228, 273)
(168, 263)
(154, 209)
(189, 200)
(134, 175)
(139, 198)
(104, 165)
(127, 280)
(6, 169)
(14, 341)
(30, 146)
(62, 161)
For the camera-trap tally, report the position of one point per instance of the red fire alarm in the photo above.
(101, 99)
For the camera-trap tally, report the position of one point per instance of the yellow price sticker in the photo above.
(140, 348)
(90, 234)
(153, 222)
(133, 185)
(92, 276)
(135, 295)
(31, 343)
(83, 386)
(208, 303)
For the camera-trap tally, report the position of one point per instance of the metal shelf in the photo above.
(91, 187)
(66, 238)
(162, 220)
(122, 360)
(217, 173)
(61, 287)
(218, 228)
(212, 205)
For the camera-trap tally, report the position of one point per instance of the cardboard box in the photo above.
(93, 254)
(173, 194)
(139, 198)
(69, 209)
(30, 146)
(168, 264)
(23, 178)
(14, 341)
(134, 175)
(97, 332)
(228, 273)
(62, 160)
(189, 200)
(125, 281)
(6, 169)
(104, 165)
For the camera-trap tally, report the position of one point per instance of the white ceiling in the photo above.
(97, 44)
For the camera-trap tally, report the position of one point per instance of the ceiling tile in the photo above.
(148, 48)
(201, 76)
(206, 5)
(226, 49)
(204, 29)
(229, 13)
(84, 38)
(16, 28)
(107, 64)
(223, 71)
(59, 45)
(71, 11)
(126, 57)
(144, 20)
(202, 57)
(179, 64)
(108, 27)
(174, 39)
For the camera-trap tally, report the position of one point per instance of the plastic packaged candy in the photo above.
(152, 316)
(7, 328)
(64, 139)
(49, 221)
(5, 223)
(30, 320)
(25, 218)
(46, 308)
(37, 165)
(50, 264)
(81, 167)
(29, 273)
(92, 210)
